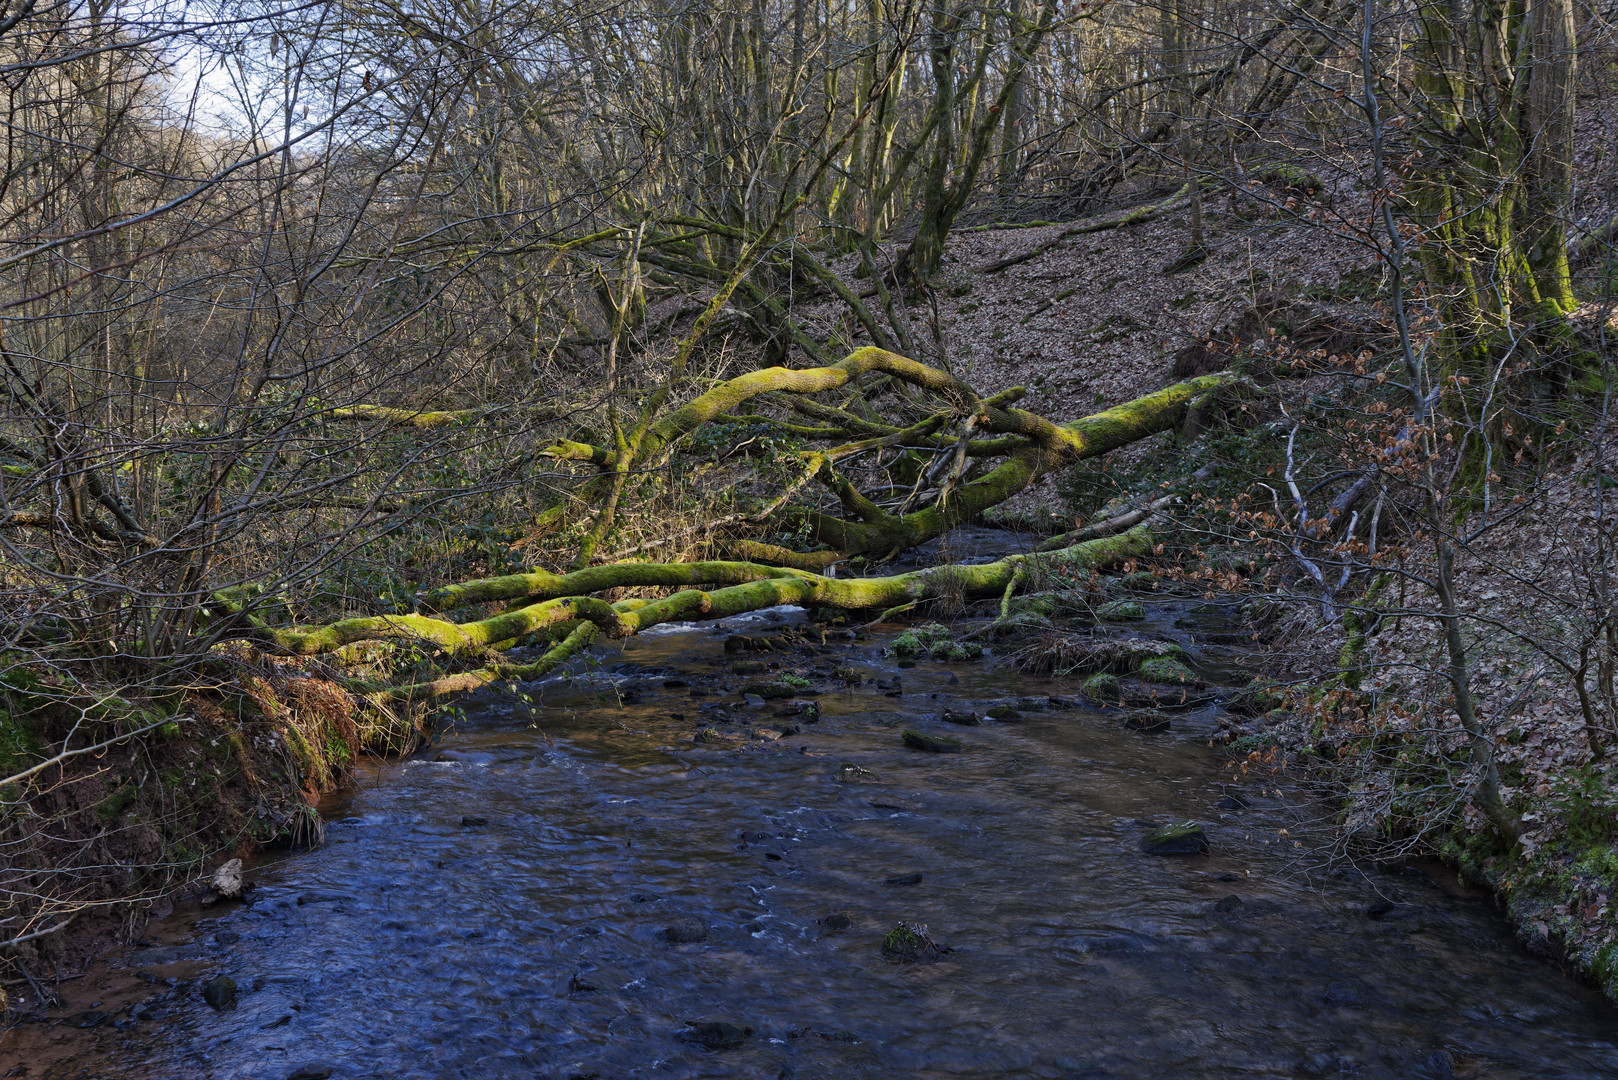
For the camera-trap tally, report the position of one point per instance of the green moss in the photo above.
(1121, 610)
(796, 681)
(1165, 669)
(1041, 605)
(1248, 743)
(920, 640)
(933, 640)
(769, 691)
(1103, 686)
(116, 802)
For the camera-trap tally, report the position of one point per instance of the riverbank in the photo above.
(137, 798)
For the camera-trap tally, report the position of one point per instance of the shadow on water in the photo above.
(630, 875)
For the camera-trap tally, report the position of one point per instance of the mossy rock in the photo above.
(1040, 605)
(1256, 698)
(933, 641)
(1103, 686)
(935, 744)
(1062, 655)
(748, 667)
(769, 691)
(1121, 611)
(1003, 712)
(1186, 838)
(964, 719)
(1166, 669)
(1247, 744)
(951, 652)
(920, 640)
(1032, 704)
(909, 943)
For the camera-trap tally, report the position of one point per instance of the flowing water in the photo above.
(420, 943)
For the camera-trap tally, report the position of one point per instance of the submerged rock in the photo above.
(937, 744)
(904, 879)
(769, 691)
(1186, 838)
(716, 1034)
(220, 992)
(314, 1070)
(684, 932)
(965, 719)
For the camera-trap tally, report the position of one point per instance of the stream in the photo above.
(573, 886)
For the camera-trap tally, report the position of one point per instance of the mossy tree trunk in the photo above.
(1486, 168)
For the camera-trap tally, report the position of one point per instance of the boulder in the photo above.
(1186, 838)
(937, 744)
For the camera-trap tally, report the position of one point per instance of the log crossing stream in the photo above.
(573, 887)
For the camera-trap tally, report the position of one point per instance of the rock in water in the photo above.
(1121, 610)
(910, 943)
(226, 882)
(685, 931)
(716, 1034)
(1186, 838)
(937, 744)
(314, 1070)
(220, 992)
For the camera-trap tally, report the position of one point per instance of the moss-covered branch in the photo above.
(743, 587)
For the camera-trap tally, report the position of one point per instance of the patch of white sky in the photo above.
(228, 72)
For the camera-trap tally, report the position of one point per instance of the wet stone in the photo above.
(473, 820)
(1226, 904)
(837, 921)
(220, 992)
(1146, 720)
(1187, 838)
(769, 691)
(1029, 704)
(965, 719)
(684, 932)
(314, 1070)
(716, 1034)
(935, 744)
(903, 879)
(1003, 712)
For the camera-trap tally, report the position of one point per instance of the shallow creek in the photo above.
(420, 943)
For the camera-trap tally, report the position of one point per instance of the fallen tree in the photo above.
(933, 456)
(558, 608)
